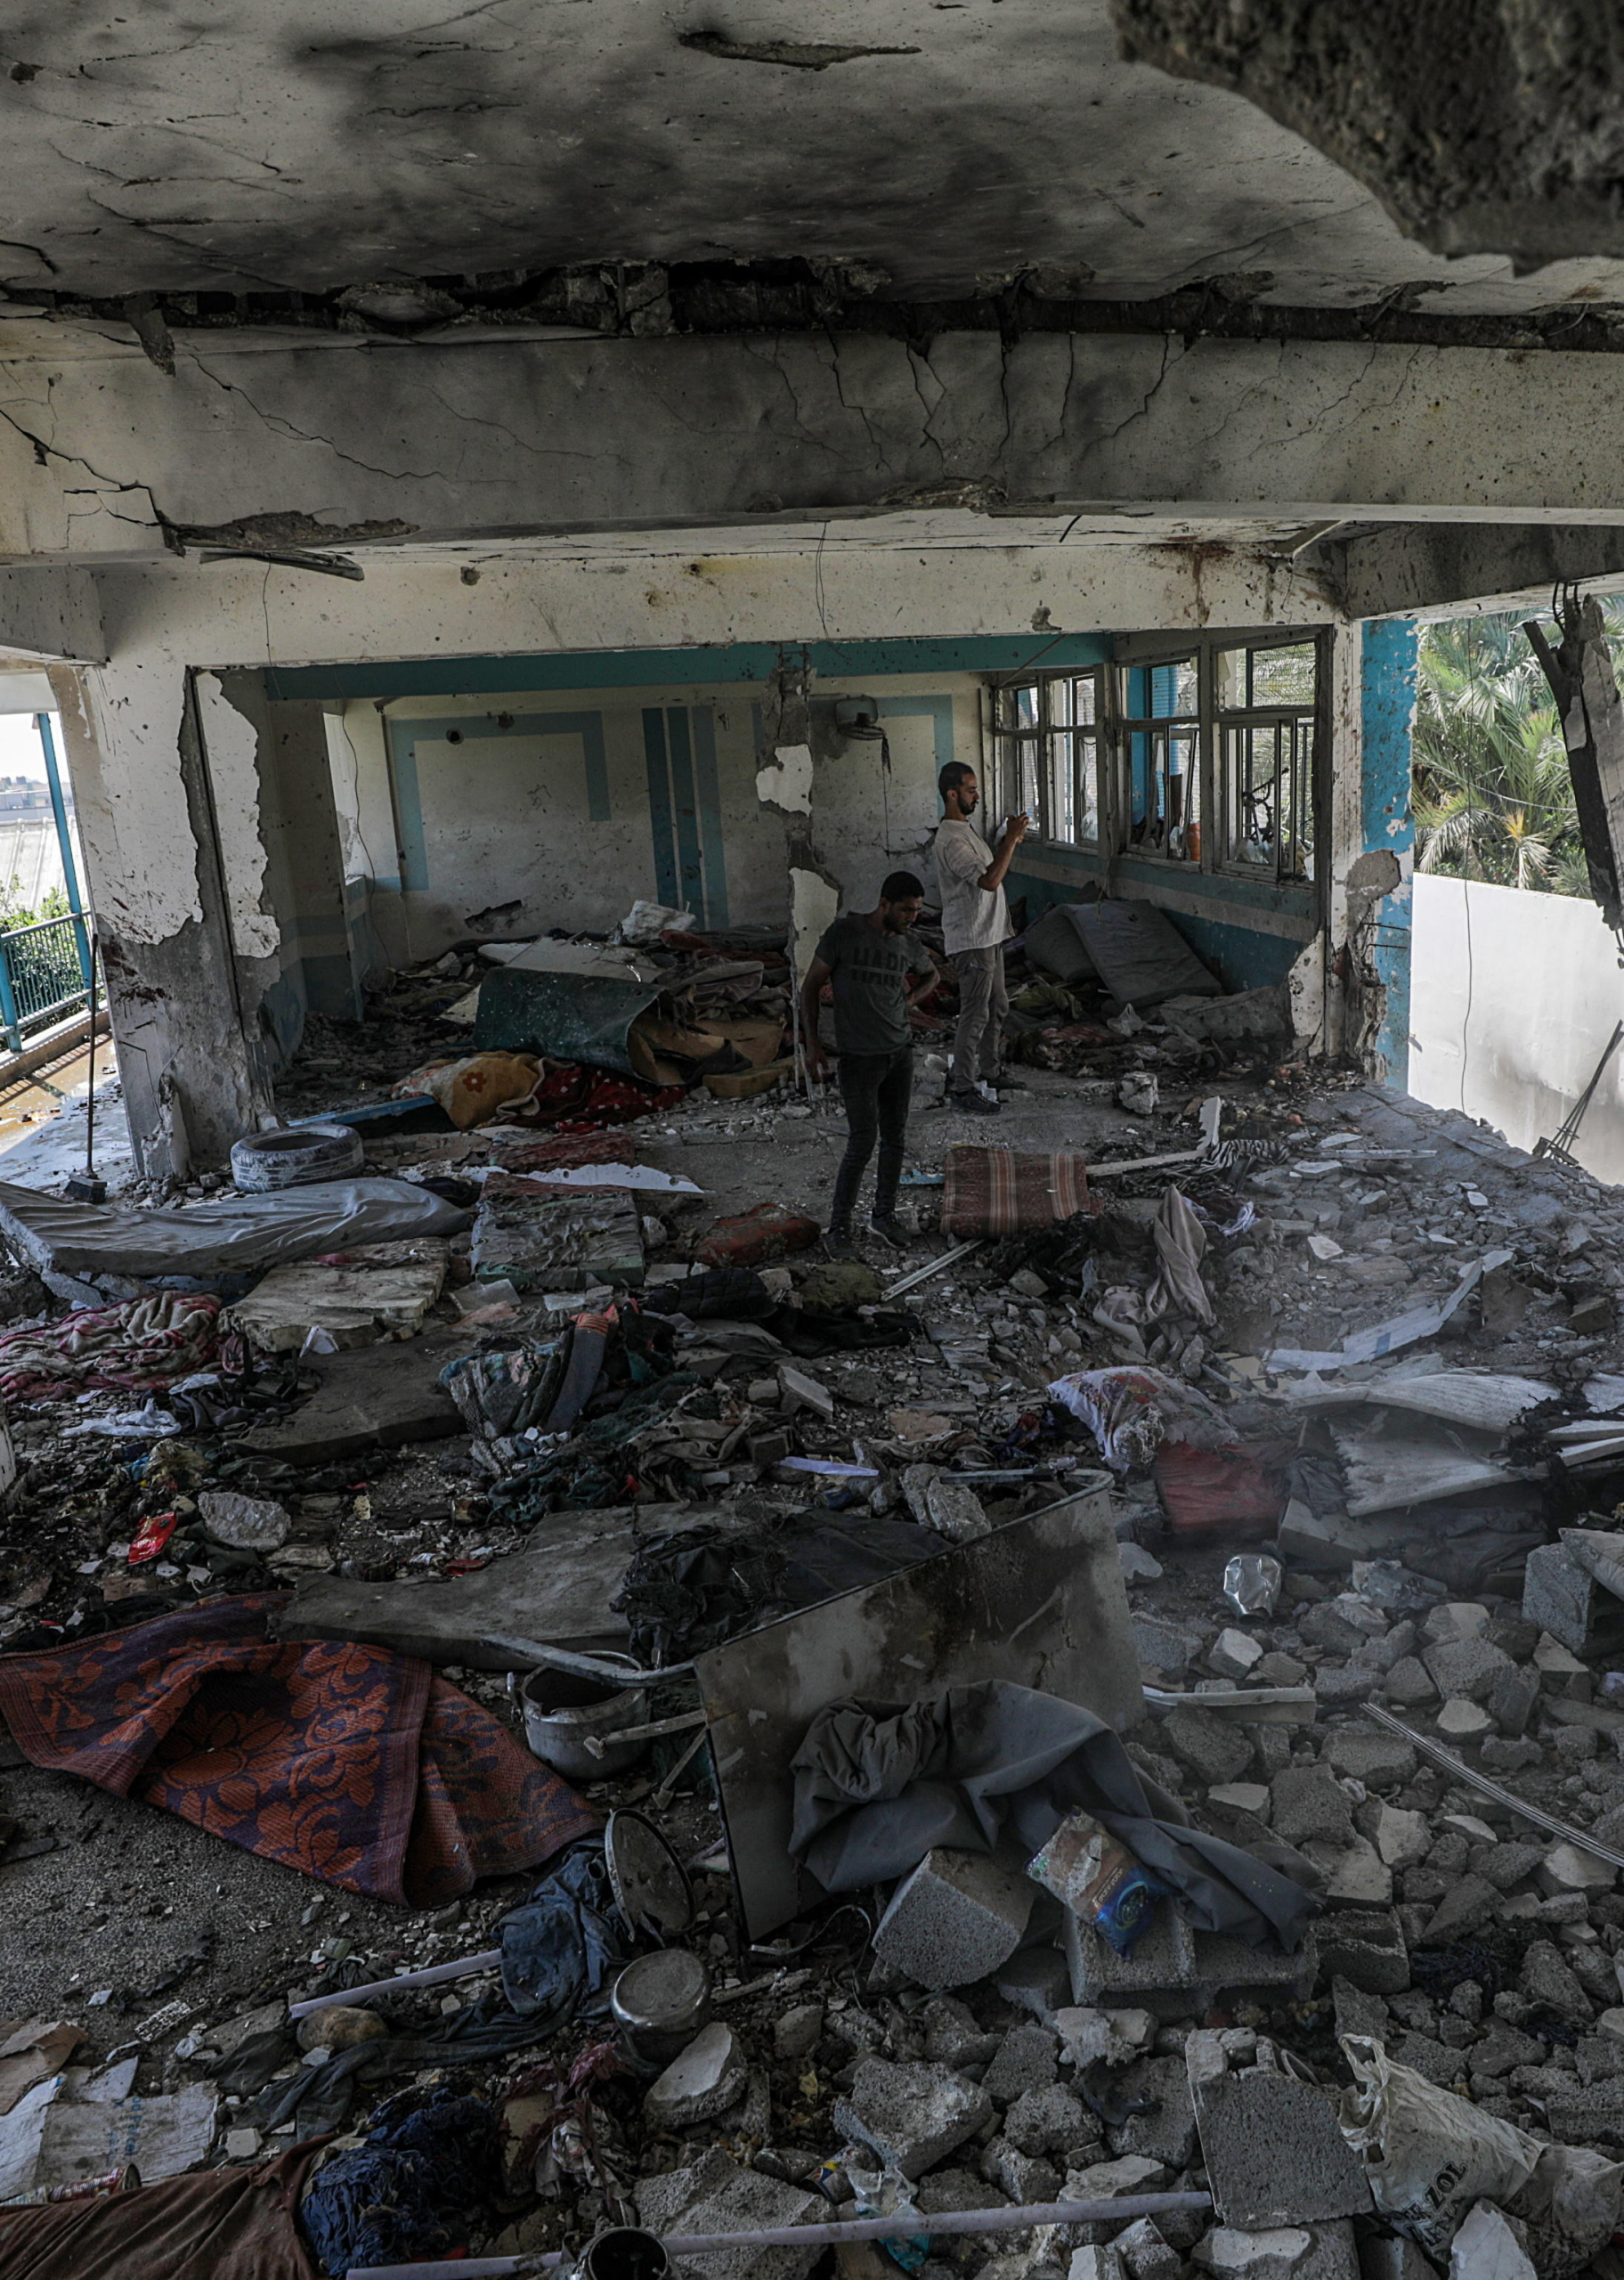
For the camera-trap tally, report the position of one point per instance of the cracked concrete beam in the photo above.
(1420, 569)
(97, 456)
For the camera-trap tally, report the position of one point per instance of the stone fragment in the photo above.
(1367, 1948)
(1562, 1598)
(242, 2145)
(1051, 2120)
(1288, 2252)
(1206, 1746)
(1470, 1901)
(1465, 1668)
(1409, 1683)
(1339, 1685)
(1034, 1979)
(1168, 2134)
(1023, 2177)
(1163, 1645)
(701, 2082)
(953, 2036)
(954, 1918)
(1102, 2263)
(1242, 1797)
(1358, 2013)
(1234, 1654)
(1308, 1804)
(1402, 1838)
(798, 2031)
(1461, 1721)
(955, 1512)
(715, 2194)
(1567, 1869)
(1146, 2253)
(1507, 1864)
(1380, 1761)
(912, 2114)
(1360, 1879)
(1545, 1979)
(1130, 2174)
(1026, 2059)
(243, 1523)
(1511, 1701)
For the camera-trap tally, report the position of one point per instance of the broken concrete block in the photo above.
(1409, 1684)
(1460, 1721)
(798, 1391)
(955, 1512)
(1308, 1805)
(1469, 1902)
(1490, 2246)
(1562, 1598)
(1380, 1761)
(912, 2115)
(1034, 1979)
(1510, 1700)
(1026, 2059)
(1160, 1972)
(1288, 2252)
(1102, 2263)
(1025, 2178)
(1465, 1668)
(1402, 1838)
(1242, 1797)
(1051, 2120)
(798, 2031)
(1545, 1978)
(1567, 1869)
(1362, 1878)
(1163, 1645)
(379, 1397)
(1206, 1745)
(1147, 2255)
(954, 1918)
(1168, 2134)
(701, 2081)
(1273, 2150)
(1228, 1969)
(1233, 1654)
(715, 2195)
(1367, 1949)
(1130, 2174)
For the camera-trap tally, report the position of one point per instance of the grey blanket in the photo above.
(1000, 1766)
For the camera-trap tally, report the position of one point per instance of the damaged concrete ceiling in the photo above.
(928, 149)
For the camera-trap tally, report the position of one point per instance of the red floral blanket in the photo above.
(351, 1764)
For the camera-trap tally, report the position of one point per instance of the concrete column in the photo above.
(136, 757)
(312, 858)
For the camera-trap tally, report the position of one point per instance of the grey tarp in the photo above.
(566, 1016)
(876, 1787)
(236, 1237)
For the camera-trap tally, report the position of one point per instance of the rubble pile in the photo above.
(1088, 1751)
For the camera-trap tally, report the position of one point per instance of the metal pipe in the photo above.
(1580, 1838)
(904, 2221)
(432, 1976)
(564, 1659)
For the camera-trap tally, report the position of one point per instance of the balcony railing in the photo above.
(45, 975)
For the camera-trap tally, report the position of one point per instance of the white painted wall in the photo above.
(1513, 997)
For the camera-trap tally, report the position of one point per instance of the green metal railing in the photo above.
(45, 975)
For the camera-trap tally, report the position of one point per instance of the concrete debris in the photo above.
(954, 1919)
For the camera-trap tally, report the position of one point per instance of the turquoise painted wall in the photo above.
(1387, 714)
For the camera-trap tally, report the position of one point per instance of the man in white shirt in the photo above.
(975, 927)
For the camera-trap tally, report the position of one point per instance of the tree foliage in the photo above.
(1493, 797)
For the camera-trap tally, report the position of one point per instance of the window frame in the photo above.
(1005, 789)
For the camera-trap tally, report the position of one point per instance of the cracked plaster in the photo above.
(933, 147)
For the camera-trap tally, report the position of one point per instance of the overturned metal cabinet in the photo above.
(1040, 1602)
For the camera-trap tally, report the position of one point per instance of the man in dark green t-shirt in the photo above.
(874, 964)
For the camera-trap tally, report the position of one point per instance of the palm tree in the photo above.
(1492, 794)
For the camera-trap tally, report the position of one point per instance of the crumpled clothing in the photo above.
(594, 1467)
(1131, 1410)
(476, 1089)
(1178, 1293)
(499, 1395)
(136, 1347)
(428, 2168)
(977, 1767)
(564, 1943)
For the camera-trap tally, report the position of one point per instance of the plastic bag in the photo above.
(1252, 1583)
(645, 922)
(1101, 1882)
(1429, 2156)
